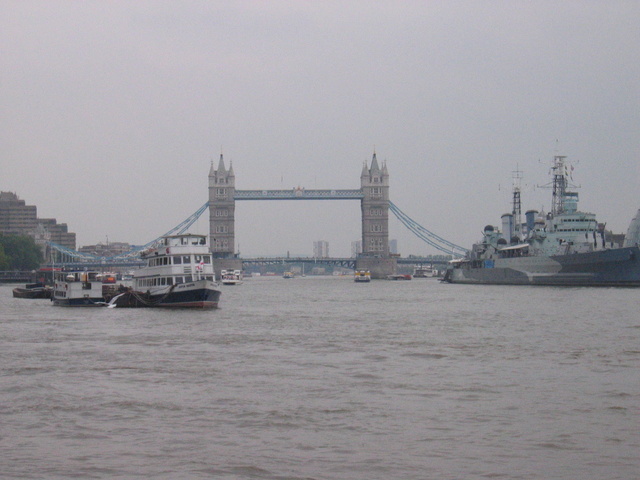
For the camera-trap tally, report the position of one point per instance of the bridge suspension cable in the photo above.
(135, 252)
(427, 236)
(183, 226)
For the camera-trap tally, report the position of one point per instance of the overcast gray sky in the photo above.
(113, 110)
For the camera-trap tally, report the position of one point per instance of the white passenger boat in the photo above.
(77, 289)
(178, 274)
(421, 271)
(231, 277)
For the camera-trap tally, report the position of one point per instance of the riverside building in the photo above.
(18, 218)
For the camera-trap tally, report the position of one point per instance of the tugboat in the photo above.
(77, 289)
(178, 274)
(564, 247)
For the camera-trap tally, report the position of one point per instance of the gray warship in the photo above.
(565, 247)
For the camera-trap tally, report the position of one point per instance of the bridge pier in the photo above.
(379, 267)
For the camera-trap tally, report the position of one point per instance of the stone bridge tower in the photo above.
(374, 183)
(222, 207)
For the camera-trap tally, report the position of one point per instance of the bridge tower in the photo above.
(374, 186)
(222, 207)
(374, 183)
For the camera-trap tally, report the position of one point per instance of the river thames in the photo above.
(322, 378)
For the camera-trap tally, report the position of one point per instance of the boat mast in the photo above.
(559, 185)
(517, 208)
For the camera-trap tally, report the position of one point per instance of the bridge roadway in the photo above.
(16, 276)
(298, 194)
(342, 262)
(349, 262)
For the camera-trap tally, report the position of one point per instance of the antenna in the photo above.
(559, 183)
(517, 206)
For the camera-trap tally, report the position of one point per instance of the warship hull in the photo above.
(617, 267)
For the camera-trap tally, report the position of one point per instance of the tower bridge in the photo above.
(375, 206)
(373, 195)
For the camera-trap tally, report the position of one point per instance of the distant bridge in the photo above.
(349, 262)
(16, 276)
(341, 262)
(346, 262)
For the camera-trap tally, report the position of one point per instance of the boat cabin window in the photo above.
(177, 260)
(154, 262)
(186, 259)
(514, 252)
(203, 258)
(77, 276)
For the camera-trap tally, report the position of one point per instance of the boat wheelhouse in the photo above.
(77, 289)
(178, 259)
